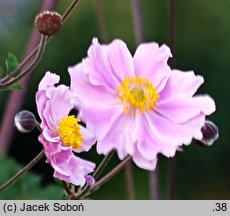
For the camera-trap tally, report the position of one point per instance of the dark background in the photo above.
(202, 45)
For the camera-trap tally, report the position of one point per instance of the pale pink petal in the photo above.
(88, 93)
(99, 119)
(90, 180)
(41, 100)
(181, 83)
(50, 136)
(150, 61)
(143, 163)
(60, 103)
(108, 65)
(116, 137)
(174, 134)
(49, 80)
(59, 160)
(146, 146)
(181, 109)
(89, 140)
(71, 168)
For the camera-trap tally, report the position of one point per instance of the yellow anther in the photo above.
(69, 131)
(137, 94)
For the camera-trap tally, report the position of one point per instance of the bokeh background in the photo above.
(202, 44)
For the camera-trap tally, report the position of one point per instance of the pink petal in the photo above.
(41, 100)
(60, 103)
(143, 163)
(181, 109)
(49, 80)
(116, 137)
(181, 83)
(150, 61)
(174, 134)
(100, 119)
(108, 65)
(89, 140)
(71, 168)
(86, 92)
(146, 145)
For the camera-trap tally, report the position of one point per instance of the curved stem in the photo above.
(35, 62)
(23, 171)
(30, 57)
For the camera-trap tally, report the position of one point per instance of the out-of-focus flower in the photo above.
(138, 105)
(61, 134)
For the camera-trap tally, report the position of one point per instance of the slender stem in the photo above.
(172, 37)
(101, 21)
(154, 184)
(70, 10)
(16, 98)
(172, 29)
(34, 52)
(23, 171)
(26, 168)
(69, 192)
(97, 173)
(35, 62)
(20, 67)
(129, 180)
(138, 21)
(103, 164)
(107, 177)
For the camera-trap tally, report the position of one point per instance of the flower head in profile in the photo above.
(61, 133)
(138, 105)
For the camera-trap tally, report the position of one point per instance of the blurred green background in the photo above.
(202, 45)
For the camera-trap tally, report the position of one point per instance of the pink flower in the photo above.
(61, 134)
(138, 105)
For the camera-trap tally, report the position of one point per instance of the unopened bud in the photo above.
(210, 134)
(25, 121)
(48, 22)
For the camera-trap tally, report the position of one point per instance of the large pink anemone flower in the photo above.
(138, 105)
(61, 133)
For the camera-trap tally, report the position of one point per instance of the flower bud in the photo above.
(210, 134)
(48, 22)
(25, 121)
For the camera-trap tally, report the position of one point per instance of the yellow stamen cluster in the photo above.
(137, 94)
(69, 131)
